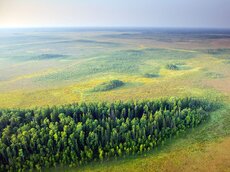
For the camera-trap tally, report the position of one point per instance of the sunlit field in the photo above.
(47, 67)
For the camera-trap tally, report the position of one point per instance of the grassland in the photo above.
(40, 68)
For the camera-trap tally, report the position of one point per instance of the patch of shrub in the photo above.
(151, 75)
(106, 86)
(172, 67)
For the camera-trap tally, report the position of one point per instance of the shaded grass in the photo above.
(49, 56)
(214, 75)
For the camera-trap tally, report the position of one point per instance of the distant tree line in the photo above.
(78, 133)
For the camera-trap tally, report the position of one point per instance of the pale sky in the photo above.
(127, 13)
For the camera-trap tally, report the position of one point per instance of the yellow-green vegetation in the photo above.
(67, 71)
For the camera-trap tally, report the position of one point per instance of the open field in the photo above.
(45, 67)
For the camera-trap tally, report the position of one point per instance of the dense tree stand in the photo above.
(78, 133)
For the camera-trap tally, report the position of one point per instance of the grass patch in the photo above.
(222, 53)
(214, 75)
(49, 56)
(217, 51)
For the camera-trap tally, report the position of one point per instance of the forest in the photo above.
(75, 134)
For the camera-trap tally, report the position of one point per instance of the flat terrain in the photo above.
(58, 66)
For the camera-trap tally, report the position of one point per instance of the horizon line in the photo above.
(110, 27)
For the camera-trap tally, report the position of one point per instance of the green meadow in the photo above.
(50, 68)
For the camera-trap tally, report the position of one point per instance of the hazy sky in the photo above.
(140, 13)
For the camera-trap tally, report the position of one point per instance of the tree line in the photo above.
(75, 134)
